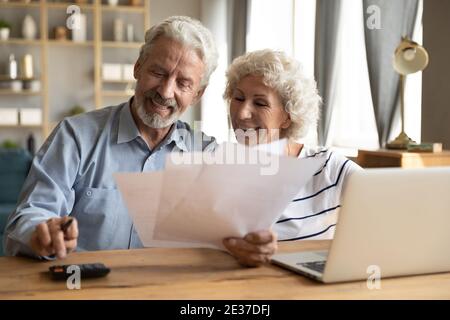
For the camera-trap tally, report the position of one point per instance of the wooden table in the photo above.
(403, 159)
(160, 273)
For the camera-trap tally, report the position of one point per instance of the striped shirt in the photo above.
(314, 211)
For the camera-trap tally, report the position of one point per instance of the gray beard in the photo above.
(154, 120)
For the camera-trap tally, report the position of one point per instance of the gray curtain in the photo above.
(237, 30)
(397, 20)
(327, 23)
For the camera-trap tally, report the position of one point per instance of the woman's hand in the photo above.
(254, 249)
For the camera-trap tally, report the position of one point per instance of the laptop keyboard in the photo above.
(318, 266)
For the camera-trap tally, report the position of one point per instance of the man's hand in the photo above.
(254, 249)
(49, 239)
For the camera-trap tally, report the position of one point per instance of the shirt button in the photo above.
(89, 193)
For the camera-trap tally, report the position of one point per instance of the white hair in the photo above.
(189, 32)
(298, 93)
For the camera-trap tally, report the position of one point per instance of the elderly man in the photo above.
(72, 174)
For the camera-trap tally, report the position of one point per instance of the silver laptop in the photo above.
(392, 221)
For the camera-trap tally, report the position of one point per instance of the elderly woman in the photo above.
(269, 93)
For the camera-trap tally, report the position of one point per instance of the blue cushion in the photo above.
(5, 210)
(14, 160)
(14, 167)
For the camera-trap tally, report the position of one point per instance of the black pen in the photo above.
(66, 225)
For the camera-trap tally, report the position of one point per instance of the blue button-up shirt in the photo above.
(72, 174)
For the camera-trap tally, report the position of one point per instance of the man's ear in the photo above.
(137, 68)
(199, 95)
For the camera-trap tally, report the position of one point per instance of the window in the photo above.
(286, 25)
(289, 25)
(353, 121)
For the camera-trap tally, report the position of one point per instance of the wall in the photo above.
(161, 9)
(436, 83)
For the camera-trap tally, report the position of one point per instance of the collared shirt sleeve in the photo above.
(47, 191)
(210, 145)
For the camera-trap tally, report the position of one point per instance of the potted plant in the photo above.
(135, 3)
(9, 144)
(4, 30)
(77, 109)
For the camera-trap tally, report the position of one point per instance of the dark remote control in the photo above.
(90, 270)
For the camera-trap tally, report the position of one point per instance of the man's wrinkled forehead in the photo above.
(168, 45)
(168, 55)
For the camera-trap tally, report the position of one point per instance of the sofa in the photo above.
(14, 167)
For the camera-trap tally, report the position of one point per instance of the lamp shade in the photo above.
(410, 57)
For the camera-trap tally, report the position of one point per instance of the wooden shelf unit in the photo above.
(399, 158)
(125, 45)
(17, 4)
(138, 9)
(116, 93)
(119, 81)
(63, 5)
(21, 41)
(70, 43)
(19, 126)
(97, 9)
(10, 92)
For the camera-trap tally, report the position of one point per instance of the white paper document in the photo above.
(200, 199)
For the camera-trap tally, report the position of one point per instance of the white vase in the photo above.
(27, 67)
(118, 30)
(29, 28)
(130, 32)
(4, 33)
(79, 32)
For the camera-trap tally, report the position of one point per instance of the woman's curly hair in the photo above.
(298, 93)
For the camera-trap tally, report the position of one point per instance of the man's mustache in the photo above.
(156, 97)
